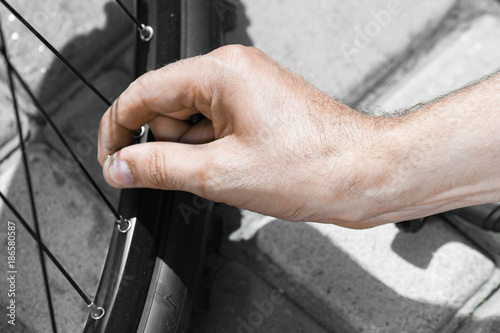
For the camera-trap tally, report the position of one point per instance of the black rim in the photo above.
(153, 272)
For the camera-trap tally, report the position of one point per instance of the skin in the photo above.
(274, 144)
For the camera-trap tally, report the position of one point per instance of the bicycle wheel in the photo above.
(152, 273)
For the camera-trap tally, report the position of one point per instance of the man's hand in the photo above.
(271, 143)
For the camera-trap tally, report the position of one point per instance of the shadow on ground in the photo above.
(246, 284)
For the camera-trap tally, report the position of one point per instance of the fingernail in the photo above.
(120, 172)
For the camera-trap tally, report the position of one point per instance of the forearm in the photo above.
(448, 154)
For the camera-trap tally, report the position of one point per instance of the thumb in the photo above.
(160, 165)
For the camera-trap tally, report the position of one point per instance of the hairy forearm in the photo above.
(445, 155)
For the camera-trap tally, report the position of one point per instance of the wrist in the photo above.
(444, 157)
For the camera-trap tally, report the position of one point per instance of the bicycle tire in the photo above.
(152, 274)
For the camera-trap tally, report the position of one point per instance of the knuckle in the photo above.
(231, 62)
(143, 89)
(208, 180)
(232, 51)
(155, 170)
(141, 83)
(237, 55)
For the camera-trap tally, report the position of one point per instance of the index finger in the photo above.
(178, 90)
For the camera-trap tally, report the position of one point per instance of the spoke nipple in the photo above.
(146, 32)
(96, 312)
(123, 225)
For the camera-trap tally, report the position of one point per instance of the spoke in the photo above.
(45, 114)
(59, 55)
(30, 186)
(63, 140)
(129, 14)
(45, 249)
(145, 32)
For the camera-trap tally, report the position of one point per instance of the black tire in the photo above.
(152, 276)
